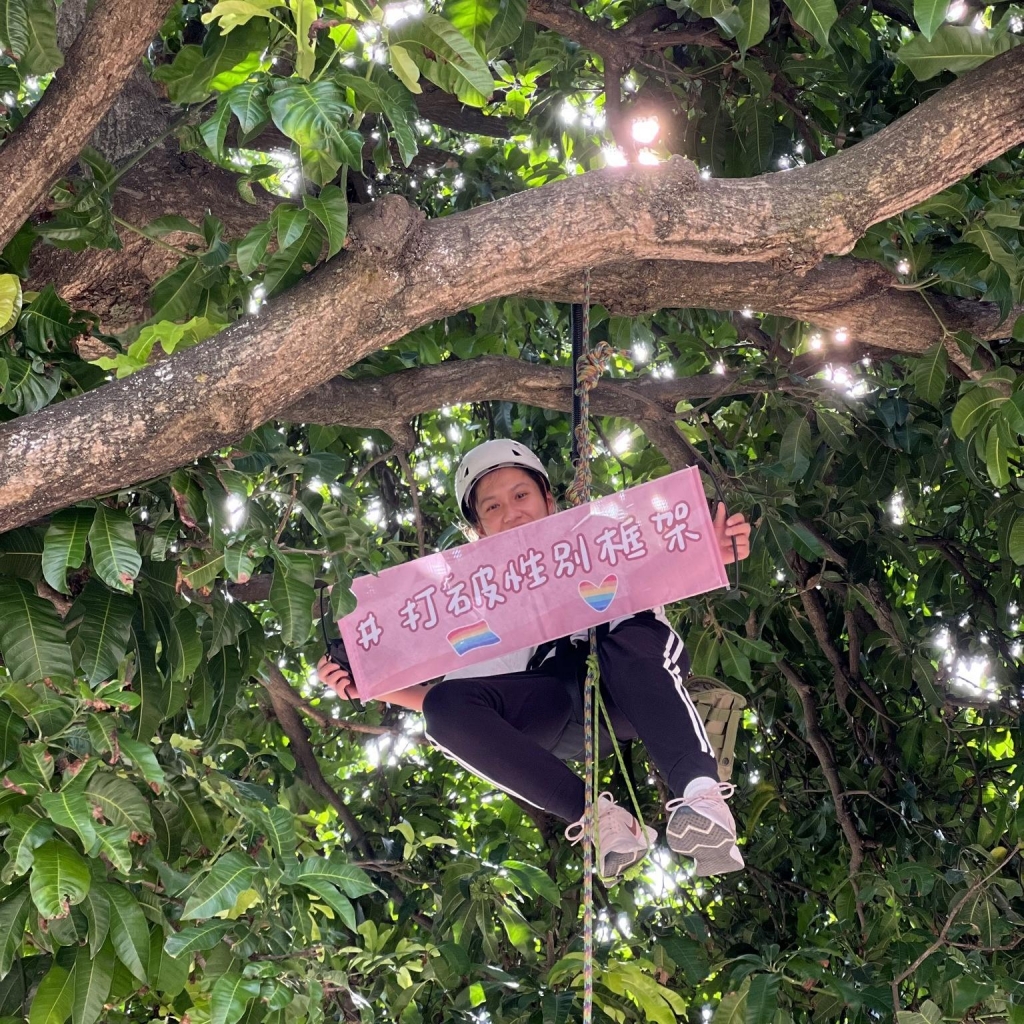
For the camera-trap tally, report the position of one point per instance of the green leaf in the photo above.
(32, 639)
(128, 930)
(55, 996)
(184, 648)
(176, 295)
(251, 250)
(14, 28)
(292, 596)
(472, 18)
(756, 16)
(974, 409)
(762, 999)
(815, 16)
(723, 11)
(29, 384)
(954, 48)
(12, 728)
(930, 15)
(999, 445)
(405, 67)
(734, 662)
(113, 844)
(47, 323)
(338, 902)
(198, 939)
(239, 564)
(447, 57)
(42, 56)
(732, 1008)
(1015, 545)
(166, 974)
(10, 300)
(232, 13)
(248, 102)
(930, 374)
(535, 882)
(755, 124)
(796, 448)
(351, 880)
(218, 891)
(288, 265)
(331, 209)
(93, 975)
(215, 129)
(14, 909)
(96, 908)
(69, 809)
(279, 825)
(198, 70)
(115, 555)
(64, 545)
(507, 25)
(27, 833)
(104, 630)
(314, 115)
(60, 878)
(142, 757)
(120, 802)
(230, 995)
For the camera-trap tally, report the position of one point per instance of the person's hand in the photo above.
(726, 529)
(336, 678)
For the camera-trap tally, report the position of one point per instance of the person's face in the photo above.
(507, 498)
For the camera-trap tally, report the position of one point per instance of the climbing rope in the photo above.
(588, 368)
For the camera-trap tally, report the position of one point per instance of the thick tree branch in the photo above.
(399, 273)
(97, 66)
(859, 296)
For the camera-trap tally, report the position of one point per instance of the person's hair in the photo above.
(537, 478)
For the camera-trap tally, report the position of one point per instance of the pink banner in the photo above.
(617, 555)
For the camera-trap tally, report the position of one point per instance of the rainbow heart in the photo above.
(599, 595)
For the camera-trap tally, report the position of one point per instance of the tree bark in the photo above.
(97, 67)
(400, 273)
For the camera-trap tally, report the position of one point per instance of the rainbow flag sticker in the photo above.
(599, 595)
(471, 637)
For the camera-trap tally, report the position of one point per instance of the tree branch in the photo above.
(940, 940)
(399, 273)
(97, 66)
(823, 752)
(298, 735)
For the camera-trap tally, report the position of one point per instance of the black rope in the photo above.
(576, 329)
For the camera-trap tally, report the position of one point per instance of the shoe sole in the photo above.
(617, 863)
(709, 844)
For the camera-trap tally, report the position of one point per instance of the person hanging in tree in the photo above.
(515, 720)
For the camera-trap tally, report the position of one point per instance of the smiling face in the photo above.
(507, 498)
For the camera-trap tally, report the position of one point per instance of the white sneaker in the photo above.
(621, 840)
(701, 826)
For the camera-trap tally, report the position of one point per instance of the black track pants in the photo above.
(507, 728)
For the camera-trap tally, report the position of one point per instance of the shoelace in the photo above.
(574, 839)
(722, 789)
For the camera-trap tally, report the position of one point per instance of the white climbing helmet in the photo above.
(489, 456)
